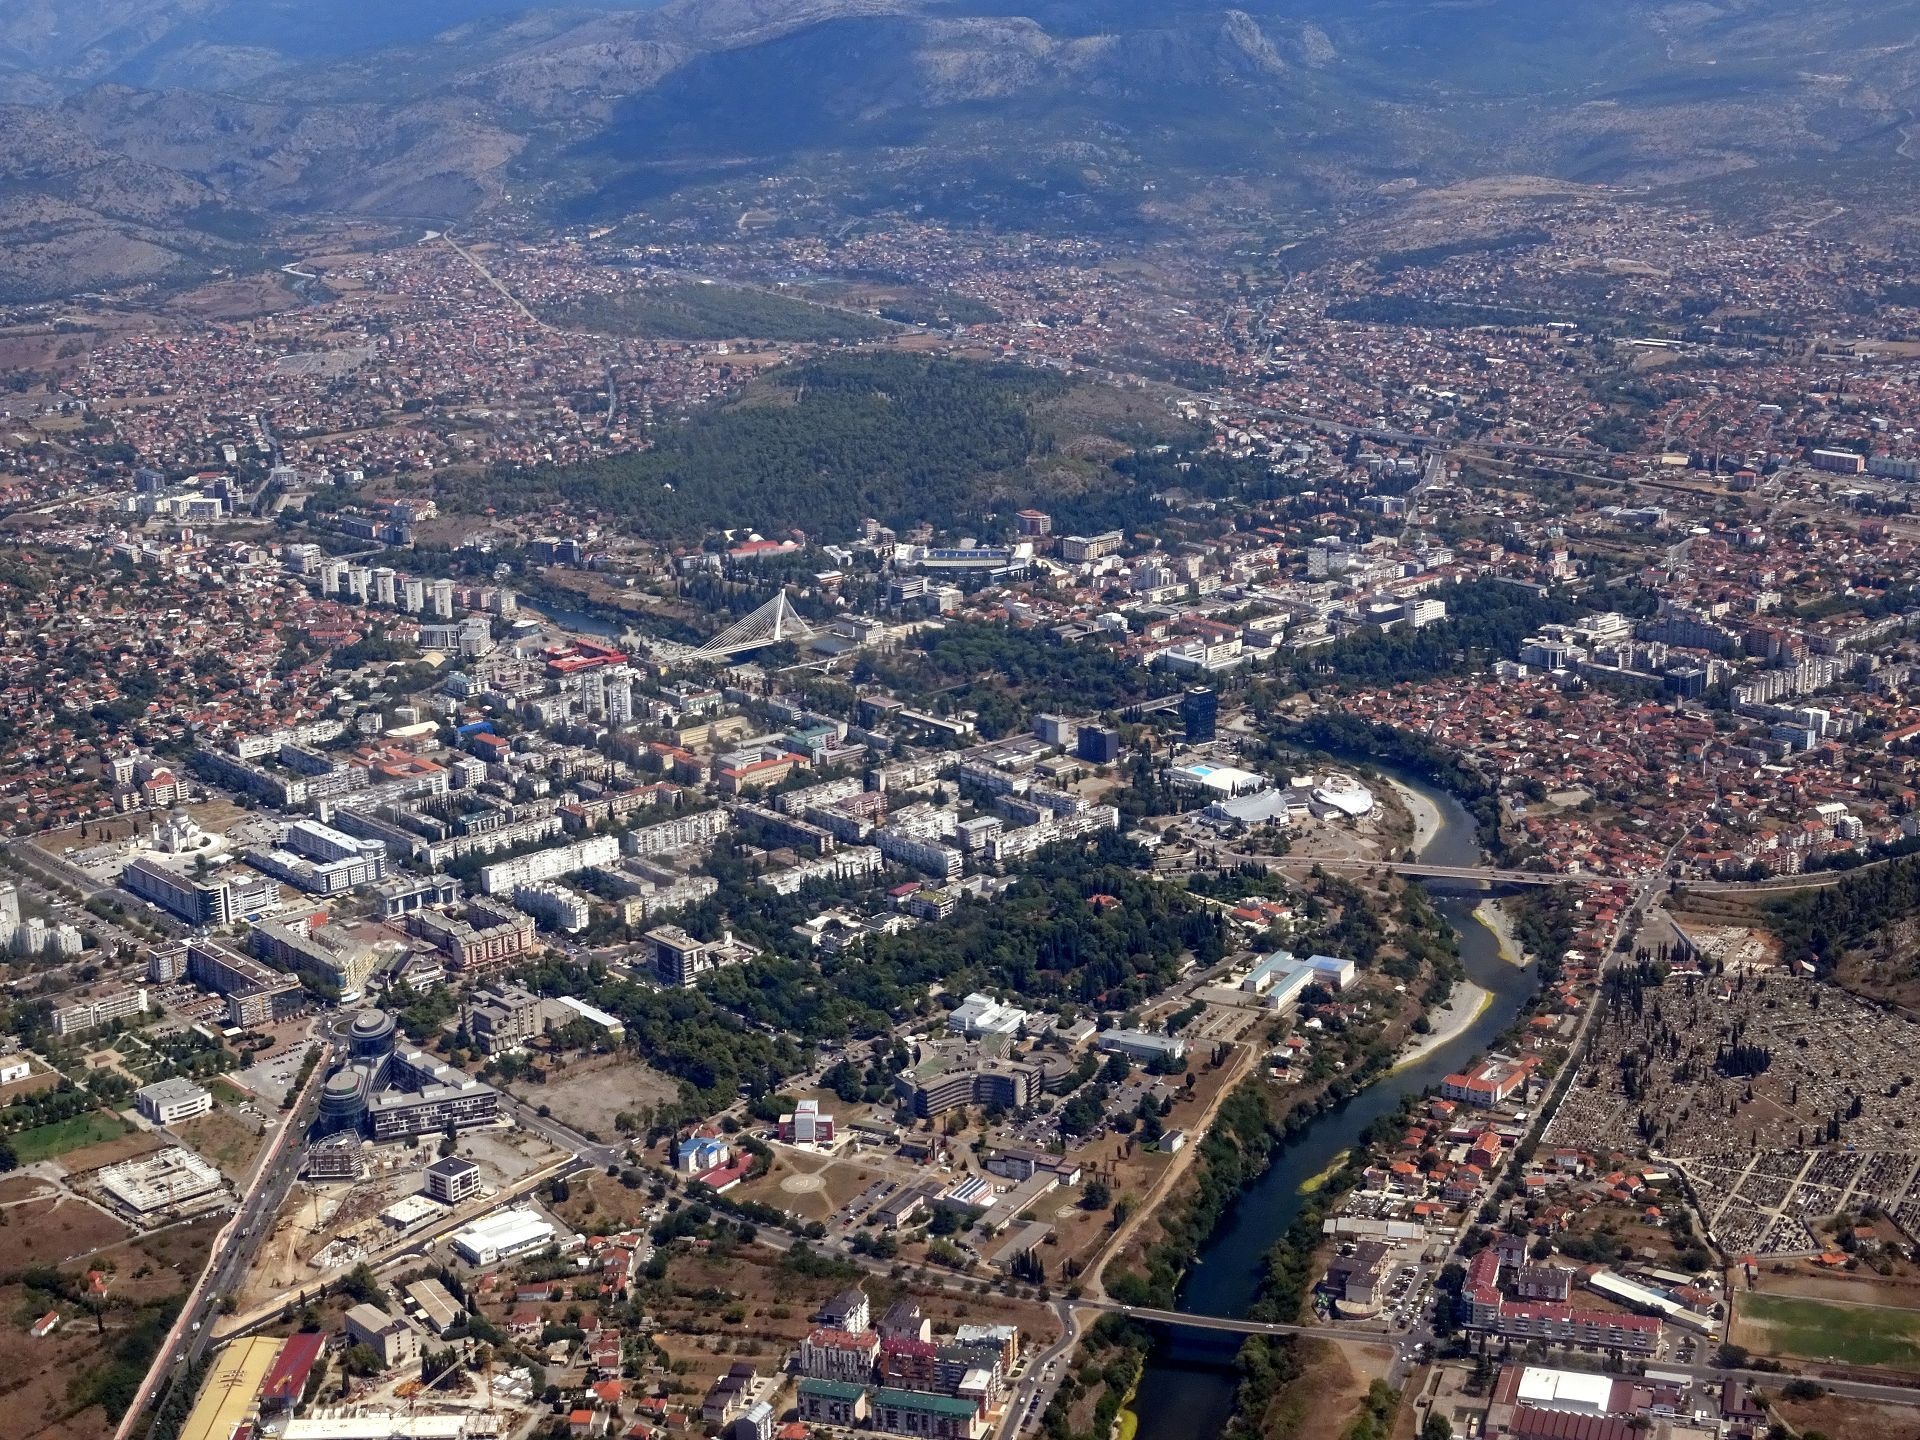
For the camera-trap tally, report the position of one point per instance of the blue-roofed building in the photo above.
(699, 1153)
(1280, 977)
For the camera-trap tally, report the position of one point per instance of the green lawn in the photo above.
(1815, 1330)
(46, 1141)
(226, 1092)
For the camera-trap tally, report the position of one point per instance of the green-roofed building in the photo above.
(915, 1412)
(832, 1402)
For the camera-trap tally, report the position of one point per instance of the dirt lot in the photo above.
(35, 1400)
(41, 1232)
(32, 1085)
(236, 299)
(23, 1187)
(1323, 1401)
(600, 1204)
(1855, 1419)
(111, 1152)
(231, 1141)
(590, 1094)
(1857, 1287)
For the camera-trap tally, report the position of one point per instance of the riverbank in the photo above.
(1189, 1386)
(1493, 915)
(1314, 1184)
(1452, 1020)
(1427, 820)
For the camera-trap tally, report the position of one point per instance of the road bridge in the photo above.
(1236, 1325)
(1413, 869)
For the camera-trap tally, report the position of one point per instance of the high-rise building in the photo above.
(1098, 744)
(1199, 714)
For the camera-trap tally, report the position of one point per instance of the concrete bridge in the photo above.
(1237, 1326)
(1485, 874)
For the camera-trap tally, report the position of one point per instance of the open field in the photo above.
(123, 1144)
(47, 1142)
(227, 1139)
(49, 1232)
(712, 312)
(1855, 1419)
(811, 1186)
(1803, 1279)
(1817, 1330)
(225, 1091)
(50, 1399)
(588, 1096)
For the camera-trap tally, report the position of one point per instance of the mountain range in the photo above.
(151, 139)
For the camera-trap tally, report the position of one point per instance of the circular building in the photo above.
(343, 1102)
(371, 1037)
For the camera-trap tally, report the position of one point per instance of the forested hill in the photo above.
(818, 447)
(1863, 926)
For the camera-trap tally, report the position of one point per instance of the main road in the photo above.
(233, 1251)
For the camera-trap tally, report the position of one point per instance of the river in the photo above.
(1187, 1390)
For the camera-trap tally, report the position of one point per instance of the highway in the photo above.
(233, 1251)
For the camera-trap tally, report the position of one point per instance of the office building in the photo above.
(948, 1077)
(807, 1125)
(168, 1102)
(1098, 744)
(1142, 1046)
(391, 1094)
(1199, 714)
(504, 1017)
(453, 1181)
(680, 960)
